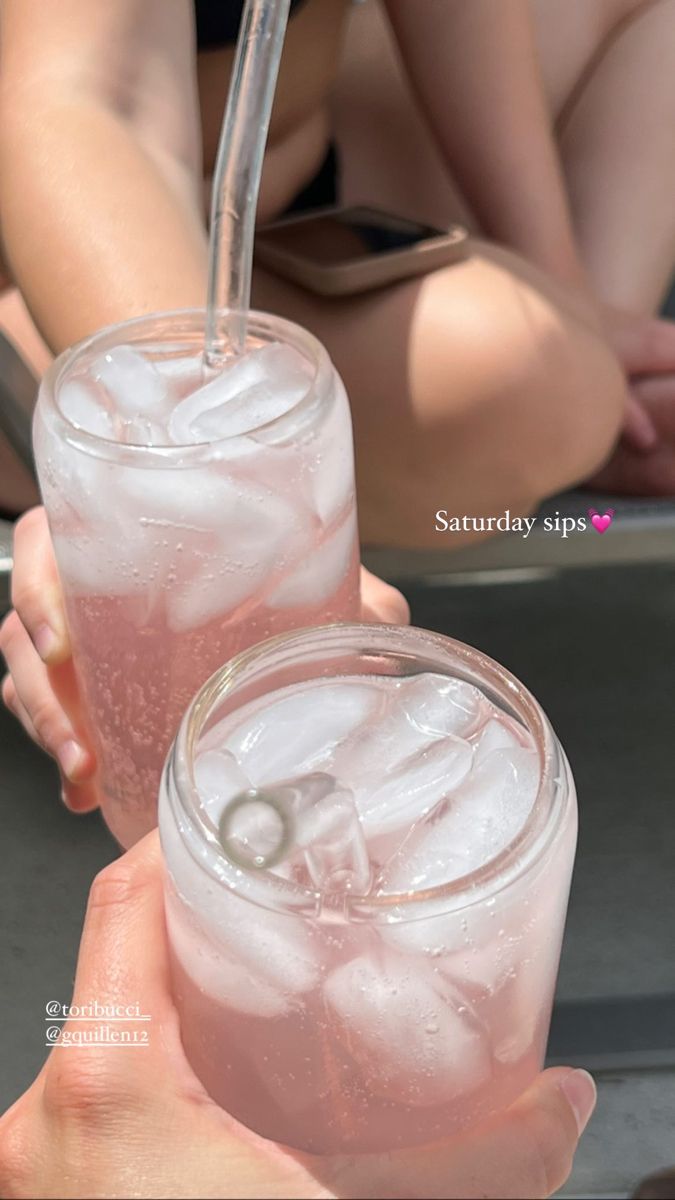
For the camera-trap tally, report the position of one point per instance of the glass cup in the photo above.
(174, 557)
(335, 1021)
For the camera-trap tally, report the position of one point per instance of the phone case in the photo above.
(362, 274)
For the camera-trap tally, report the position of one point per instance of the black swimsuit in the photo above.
(218, 21)
(217, 24)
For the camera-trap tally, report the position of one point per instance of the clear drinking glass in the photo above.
(174, 557)
(336, 1021)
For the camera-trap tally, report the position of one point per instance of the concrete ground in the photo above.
(597, 647)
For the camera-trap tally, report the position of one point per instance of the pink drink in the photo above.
(190, 520)
(386, 977)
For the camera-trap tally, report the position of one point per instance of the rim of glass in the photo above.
(400, 642)
(185, 322)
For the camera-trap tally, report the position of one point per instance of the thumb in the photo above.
(524, 1153)
(382, 603)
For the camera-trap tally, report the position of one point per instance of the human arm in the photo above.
(100, 172)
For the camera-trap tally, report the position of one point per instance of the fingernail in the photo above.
(78, 798)
(72, 803)
(581, 1093)
(71, 758)
(70, 800)
(45, 641)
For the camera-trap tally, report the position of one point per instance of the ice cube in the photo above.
(215, 973)
(246, 533)
(520, 1012)
(439, 704)
(102, 547)
(219, 778)
(410, 1032)
(182, 373)
(141, 431)
(195, 497)
(331, 468)
(278, 948)
(81, 405)
(257, 535)
(239, 912)
(414, 712)
(299, 732)
(480, 819)
(327, 832)
(254, 390)
(415, 786)
(131, 381)
(480, 968)
(376, 750)
(214, 589)
(92, 565)
(321, 572)
(498, 733)
(99, 548)
(236, 448)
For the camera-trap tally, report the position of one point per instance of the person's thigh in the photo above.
(570, 35)
(476, 388)
(388, 155)
(608, 70)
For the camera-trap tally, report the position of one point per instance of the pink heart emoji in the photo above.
(601, 523)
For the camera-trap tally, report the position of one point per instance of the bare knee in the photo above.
(515, 396)
(572, 409)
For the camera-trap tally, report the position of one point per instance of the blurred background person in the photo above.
(494, 382)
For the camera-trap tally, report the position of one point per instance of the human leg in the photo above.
(476, 388)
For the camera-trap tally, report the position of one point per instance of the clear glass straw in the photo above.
(236, 181)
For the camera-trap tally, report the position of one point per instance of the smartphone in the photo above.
(343, 251)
